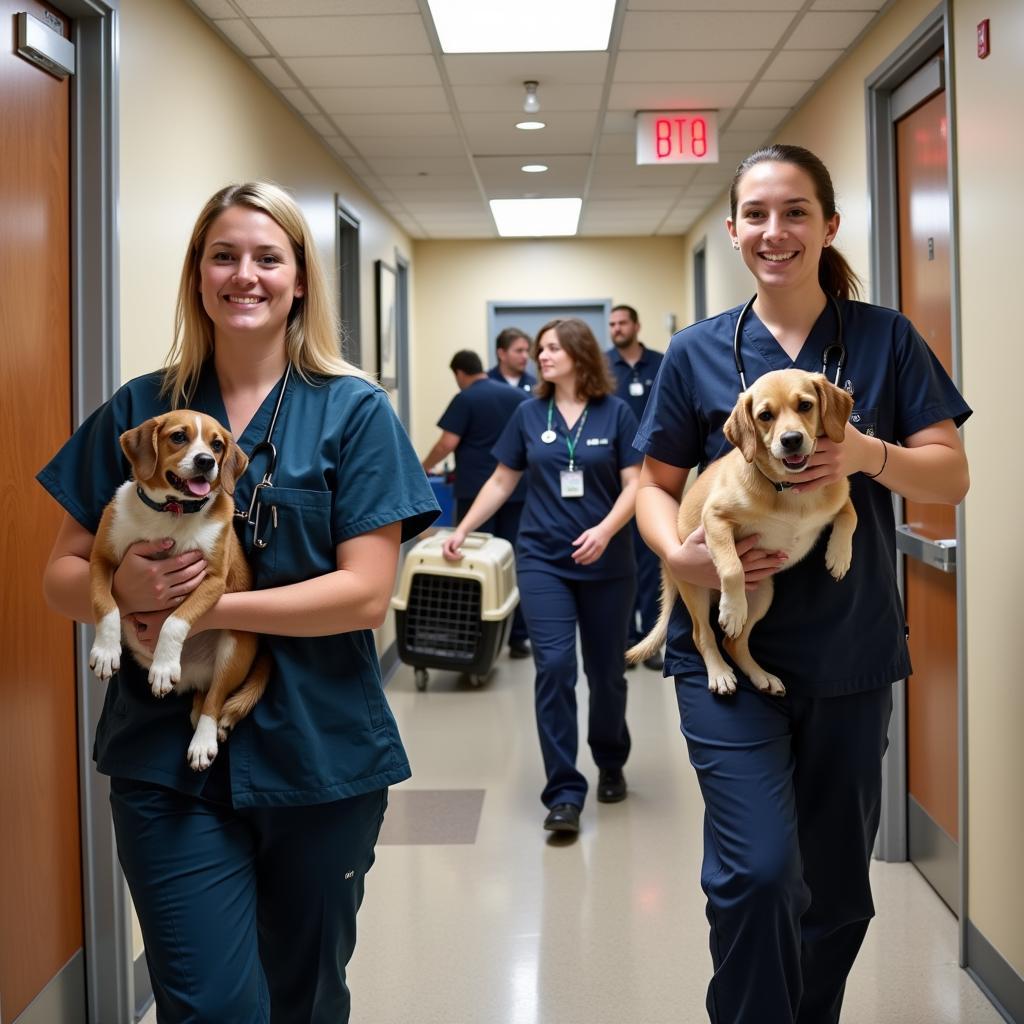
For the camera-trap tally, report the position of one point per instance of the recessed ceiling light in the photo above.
(531, 126)
(530, 218)
(534, 168)
(526, 26)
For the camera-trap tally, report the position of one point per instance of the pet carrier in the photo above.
(455, 615)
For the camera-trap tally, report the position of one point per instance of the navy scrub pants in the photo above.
(792, 796)
(553, 606)
(504, 523)
(648, 589)
(248, 915)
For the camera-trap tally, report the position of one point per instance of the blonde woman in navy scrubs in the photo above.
(574, 560)
(792, 785)
(247, 878)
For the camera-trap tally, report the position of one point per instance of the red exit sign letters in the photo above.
(677, 137)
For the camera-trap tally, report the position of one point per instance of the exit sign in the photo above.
(677, 137)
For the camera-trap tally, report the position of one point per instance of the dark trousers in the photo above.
(792, 796)
(648, 589)
(248, 915)
(504, 523)
(553, 607)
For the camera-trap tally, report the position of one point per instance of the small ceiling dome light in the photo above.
(531, 105)
(531, 126)
(534, 168)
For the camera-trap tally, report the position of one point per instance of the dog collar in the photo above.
(176, 508)
(777, 484)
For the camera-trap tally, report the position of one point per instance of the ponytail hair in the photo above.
(835, 275)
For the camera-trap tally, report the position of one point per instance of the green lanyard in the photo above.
(570, 444)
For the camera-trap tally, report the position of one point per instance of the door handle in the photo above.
(940, 554)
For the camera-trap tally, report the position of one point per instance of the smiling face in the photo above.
(248, 275)
(555, 364)
(780, 226)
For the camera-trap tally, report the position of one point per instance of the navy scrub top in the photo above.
(323, 730)
(550, 522)
(643, 372)
(526, 383)
(821, 637)
(478, 414)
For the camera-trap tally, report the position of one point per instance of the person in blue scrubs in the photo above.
(792, 784)
(247, 877)
(512, 348)
(470, 426)
(574, 556)
(635, 367)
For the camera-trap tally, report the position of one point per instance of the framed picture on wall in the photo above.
(387, 325)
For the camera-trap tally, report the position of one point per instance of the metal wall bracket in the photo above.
(940, 554)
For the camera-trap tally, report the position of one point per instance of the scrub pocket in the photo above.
(296, 524)
(866, 421)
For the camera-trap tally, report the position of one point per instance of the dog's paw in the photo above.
(105, 659)
(838, 560)
(732, 615)
(723, 683)
(226, 723)
(162, 677)
(767, 683)
(203, 748)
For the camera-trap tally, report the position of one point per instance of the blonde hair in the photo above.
(312, 335)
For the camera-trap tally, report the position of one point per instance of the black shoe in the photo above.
(655, 662)
(563, 818)
(521, 649)
(611, 786)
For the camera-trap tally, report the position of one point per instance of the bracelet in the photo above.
(885, 459)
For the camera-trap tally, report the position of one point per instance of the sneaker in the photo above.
(611, 786)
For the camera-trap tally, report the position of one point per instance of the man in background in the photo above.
(512, 348)
(469, 427)
(634, 367)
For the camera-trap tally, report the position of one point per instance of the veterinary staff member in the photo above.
(634, 367)
(247, 878)
(792, 785)
(512, 347)
(470, 425)
(574, 558)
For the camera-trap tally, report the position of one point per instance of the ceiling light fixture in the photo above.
(531, 218)
(534, 168)
(531, 126)
(531, 105)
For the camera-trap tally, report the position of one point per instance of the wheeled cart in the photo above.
(455, 615)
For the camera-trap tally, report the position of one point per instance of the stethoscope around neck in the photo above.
(836, 350)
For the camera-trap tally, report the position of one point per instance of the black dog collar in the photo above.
(177, 508)
(777, 484)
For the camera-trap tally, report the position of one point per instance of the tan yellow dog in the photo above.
(184, 468)
(774, 427)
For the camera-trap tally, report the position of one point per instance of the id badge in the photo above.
(572, 483)
(636, 388)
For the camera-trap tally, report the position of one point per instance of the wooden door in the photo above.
(40, 850)
(925, 283)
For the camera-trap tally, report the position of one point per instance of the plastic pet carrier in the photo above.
(455, 615)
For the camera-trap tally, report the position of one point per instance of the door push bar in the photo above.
(940, 554)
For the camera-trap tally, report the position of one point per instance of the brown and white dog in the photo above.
(184, 468)
(774, 427)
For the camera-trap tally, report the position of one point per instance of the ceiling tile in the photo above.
(777, 94)
(675, 96)
(359, 34)
(505, 174)
(508, 97)
(806, 64)
(410, 195)
(243, 37)
(383, 100)
(412, 148)
(506, 144)
(396, 126)
(300, 101)
(696, 65)
(318, 8)
(322, 124)
(545, 68)
(614, 171)
(339, 145)
(274, 72)
(665, 195)
(848, 5)
(619, 122)
(617, 144)
(817, 31)
(422, 166)
(706, 30)
(720, 5)
(759, 119)
(216, 8)
(363, 72)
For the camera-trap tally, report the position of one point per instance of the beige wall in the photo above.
(195, 117)
(455, 281)
(989, 94)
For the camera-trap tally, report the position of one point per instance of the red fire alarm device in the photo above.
(984, 48)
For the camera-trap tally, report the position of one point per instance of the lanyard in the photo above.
(570, 444)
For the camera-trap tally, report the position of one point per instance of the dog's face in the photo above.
(183, 454)
(777, 420)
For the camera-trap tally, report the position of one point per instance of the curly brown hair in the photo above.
(593, 378)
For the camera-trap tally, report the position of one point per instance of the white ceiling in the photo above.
(432, 136)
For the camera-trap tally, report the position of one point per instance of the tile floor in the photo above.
(488, 921)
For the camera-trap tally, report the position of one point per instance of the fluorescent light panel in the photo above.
(531, 218)
(522, 26)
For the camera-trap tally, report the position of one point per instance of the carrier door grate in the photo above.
(443, 616)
